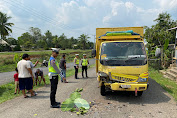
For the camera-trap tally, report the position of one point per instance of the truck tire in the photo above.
(140, 93)
(103, 90)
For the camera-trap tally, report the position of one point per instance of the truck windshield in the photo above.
(123, 54)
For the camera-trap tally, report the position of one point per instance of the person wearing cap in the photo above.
(84, 63)
(53, 67)
(76, 65)
(25, 75)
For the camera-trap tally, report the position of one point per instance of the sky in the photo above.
(76, 17)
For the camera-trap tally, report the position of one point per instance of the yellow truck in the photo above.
(121, 60)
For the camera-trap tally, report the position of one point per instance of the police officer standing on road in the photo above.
(84, 63)
(76, 65)
(53, 67)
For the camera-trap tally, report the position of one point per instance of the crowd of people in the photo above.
(24, 79)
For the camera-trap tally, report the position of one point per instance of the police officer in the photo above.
(84, 63)
(53, 67)
(76, 65)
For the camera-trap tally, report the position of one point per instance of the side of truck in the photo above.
(121, 60)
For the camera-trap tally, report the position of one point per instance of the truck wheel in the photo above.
(140, 93)
(103, 90)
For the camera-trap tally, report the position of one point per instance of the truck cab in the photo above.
(121, 60)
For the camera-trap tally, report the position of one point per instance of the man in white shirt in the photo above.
(25, 75)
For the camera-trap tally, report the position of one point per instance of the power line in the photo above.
(38, 15)
(35, 13)
(20, 28)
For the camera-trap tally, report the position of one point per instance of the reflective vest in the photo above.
(84, 62)
(51, 69)
(77, 61)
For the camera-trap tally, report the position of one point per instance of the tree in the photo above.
(63, 41)
(26, 40)
(55, 42)
(36, 36)
(5, 25)
(72, 42)
(48, 38)
(11, 41)
(83, 39)
(158, 36)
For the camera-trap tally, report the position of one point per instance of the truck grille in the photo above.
(122, 78)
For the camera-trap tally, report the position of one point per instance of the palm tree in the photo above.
(4, 25)
(83, 39)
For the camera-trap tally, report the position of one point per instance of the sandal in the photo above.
(26, 96)
(35, 94)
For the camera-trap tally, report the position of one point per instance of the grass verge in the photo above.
(7, 90)
(167, 84)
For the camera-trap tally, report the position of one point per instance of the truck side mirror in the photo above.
(93, 53)
(157, 52)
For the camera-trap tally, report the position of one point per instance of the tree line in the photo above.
(34, 39)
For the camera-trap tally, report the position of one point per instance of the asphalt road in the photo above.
(6, 77)
(155, 102)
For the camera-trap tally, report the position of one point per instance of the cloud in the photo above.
(167, 4)
(126, 14)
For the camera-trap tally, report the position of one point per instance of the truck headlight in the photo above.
(142, 79)
(102, 74)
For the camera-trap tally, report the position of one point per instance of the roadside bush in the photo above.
(46, 48)
(5, 48)
(8, 61)
(17, 48)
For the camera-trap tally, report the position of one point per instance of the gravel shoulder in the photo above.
(155, 102)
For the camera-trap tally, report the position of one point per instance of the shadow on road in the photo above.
(43, 91)
(88, 78)
(40, 97)
(71, 82)
(154, 95)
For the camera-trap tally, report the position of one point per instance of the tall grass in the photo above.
(167, 84)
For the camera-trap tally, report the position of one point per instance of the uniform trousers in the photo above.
(54, 83)
(84, 68)
(76, 72)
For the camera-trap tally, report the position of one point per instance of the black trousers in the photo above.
(54, 83)
(76, 72)
(84, 68)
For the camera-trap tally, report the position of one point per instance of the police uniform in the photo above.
(76, 66)
(84, 63)
(53, 67)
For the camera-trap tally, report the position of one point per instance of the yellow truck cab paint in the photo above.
(121, 60)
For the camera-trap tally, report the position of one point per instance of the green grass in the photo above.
(7, 68)
(167, 84)
(7, 90)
